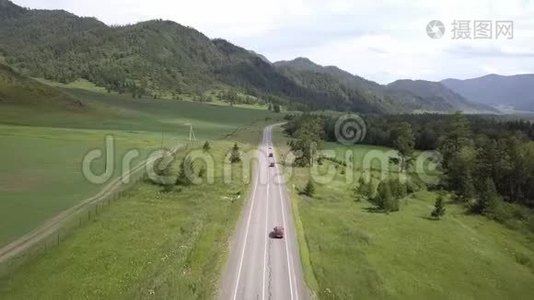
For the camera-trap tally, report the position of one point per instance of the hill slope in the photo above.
(156, 57)
(16, 89)
(515, 91)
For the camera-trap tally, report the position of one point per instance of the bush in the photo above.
(185, 173)
(206, 146)
(384, 199)
(364, 190)
(309, 189)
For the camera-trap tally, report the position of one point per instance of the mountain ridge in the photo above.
(165, 59)
(412, 95)
(513, 91)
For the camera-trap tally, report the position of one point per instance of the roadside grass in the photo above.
(356, 253)
(42, 149)
(148, 244)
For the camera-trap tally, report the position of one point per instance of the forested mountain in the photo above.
(513, 91)
(400, 96)
(164, 59)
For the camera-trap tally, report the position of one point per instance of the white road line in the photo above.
(246, 235)
(266, 230)
(289, 273)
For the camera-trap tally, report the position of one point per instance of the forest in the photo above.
(487, 161)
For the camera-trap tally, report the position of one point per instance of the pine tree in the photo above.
(488, 198)
(235, 156)
(439, 207)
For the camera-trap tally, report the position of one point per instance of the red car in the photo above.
(278, 232)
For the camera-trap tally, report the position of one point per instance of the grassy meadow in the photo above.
(349, 251)
(43, 146)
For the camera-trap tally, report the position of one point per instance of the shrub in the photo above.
(185, 172)
(309, 189)
(385, 199)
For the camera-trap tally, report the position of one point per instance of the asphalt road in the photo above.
(260, 267)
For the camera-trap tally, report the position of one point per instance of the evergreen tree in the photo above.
(439, 207)
(404, 143)
(235, 156)
(487, 199)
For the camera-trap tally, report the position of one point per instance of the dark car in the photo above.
(270, 155)
(278, 232)
(271, 165)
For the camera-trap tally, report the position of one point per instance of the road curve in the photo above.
(260, 267)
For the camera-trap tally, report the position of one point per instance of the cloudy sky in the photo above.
(379, 40)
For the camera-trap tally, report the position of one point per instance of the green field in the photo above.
(352, 252)
(43, 146)
(149, 244)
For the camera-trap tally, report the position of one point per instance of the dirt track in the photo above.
(27, 241)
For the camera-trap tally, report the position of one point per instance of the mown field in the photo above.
(43, 146)
(353, 252)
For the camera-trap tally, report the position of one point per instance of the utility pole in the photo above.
(191, 133)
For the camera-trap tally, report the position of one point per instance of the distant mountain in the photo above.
(165, 59)
(400, 96)
(437, 97)
(512, 91)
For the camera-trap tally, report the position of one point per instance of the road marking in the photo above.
(289, 273)
(267, 230)
(246, 233)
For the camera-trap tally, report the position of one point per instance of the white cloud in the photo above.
(379, 40)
